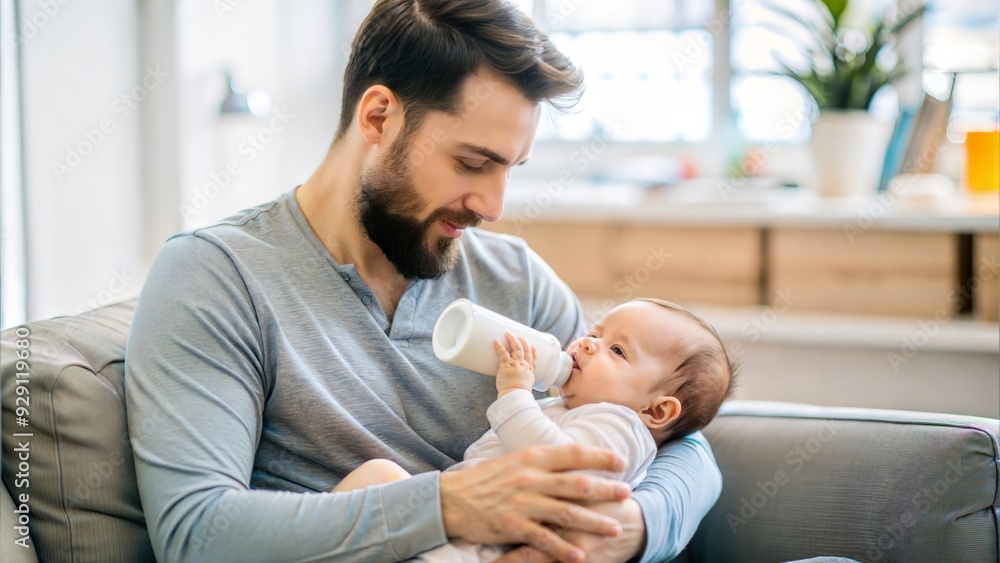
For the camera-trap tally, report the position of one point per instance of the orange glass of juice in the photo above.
(982, 164)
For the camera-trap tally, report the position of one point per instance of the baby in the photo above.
(649, 372)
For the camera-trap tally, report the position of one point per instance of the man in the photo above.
(272, 353)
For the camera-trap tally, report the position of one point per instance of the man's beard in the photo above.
(387, 203)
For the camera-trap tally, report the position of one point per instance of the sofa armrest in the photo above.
(84, 501)
(874, 485)
(13, 548)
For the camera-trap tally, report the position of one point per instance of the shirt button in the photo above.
(366, 300)
(346, 277)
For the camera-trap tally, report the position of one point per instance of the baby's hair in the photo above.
(702, 382)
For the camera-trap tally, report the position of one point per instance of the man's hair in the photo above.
(423, 50)
(702, 382)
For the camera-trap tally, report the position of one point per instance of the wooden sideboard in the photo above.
(829, 257)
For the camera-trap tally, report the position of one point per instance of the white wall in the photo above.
(290, 51)
(82, 200)
(94, 226)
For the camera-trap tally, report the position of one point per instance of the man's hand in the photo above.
(599, 549)
(517, 367)
(513, 498)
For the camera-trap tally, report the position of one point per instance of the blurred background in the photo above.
(688, 171)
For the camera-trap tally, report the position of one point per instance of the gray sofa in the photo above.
(800, 481)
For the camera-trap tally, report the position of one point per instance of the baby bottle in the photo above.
(464, 335)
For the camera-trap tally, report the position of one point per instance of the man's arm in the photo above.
(196, 386)
(681, 486)
(663, 514)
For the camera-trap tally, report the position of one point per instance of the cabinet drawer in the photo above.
(877, 273)
(704, 265)
(577, 252)
(986, 252)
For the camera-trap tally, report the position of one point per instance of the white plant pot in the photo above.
(848, 151)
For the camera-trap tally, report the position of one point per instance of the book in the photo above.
(929, 130)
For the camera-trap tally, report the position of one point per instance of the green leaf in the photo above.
(836, 8)
(875, 45)
(811, 81)
(806, 47)
(823, 33)
(854, 77)
(906, 19)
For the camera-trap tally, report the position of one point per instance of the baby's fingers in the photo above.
(529, 350)
(501, 351)
(516, 349)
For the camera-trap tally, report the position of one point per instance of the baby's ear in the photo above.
(664, 410)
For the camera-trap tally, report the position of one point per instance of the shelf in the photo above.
(708, 202)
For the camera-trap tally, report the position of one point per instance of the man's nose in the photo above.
(487, 202)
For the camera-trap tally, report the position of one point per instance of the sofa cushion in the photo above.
(14, 546)
(84, 501)
(872, 485)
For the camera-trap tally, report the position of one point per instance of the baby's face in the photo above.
(623, 357)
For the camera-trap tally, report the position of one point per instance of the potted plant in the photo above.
(842, 74)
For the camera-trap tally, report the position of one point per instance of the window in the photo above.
(636, 54)
(648, 65)
(13, 260)
(961, 40)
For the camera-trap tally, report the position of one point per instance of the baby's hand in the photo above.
(516, 367)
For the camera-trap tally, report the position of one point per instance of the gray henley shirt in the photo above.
(259, 372)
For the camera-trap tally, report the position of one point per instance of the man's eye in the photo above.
(462, 165)
(618, 350)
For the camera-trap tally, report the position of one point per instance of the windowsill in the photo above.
(725, 201)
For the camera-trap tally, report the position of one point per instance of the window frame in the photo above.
(710, 156)
(13, 239)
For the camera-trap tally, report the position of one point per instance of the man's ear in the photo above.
(661, 412)
(378, 112)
